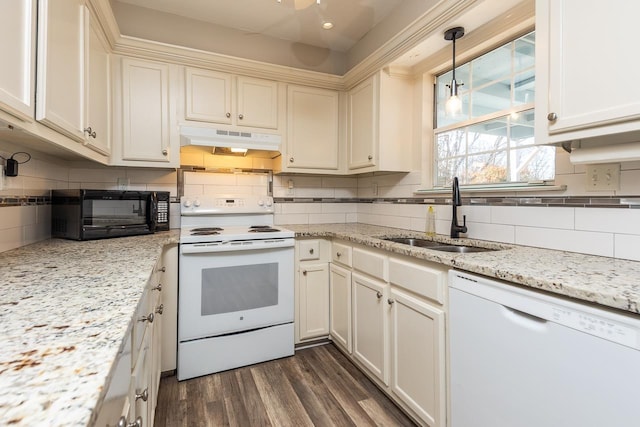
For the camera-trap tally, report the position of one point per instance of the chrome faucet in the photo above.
(456, 201)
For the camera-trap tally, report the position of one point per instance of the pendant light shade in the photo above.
(453, 105)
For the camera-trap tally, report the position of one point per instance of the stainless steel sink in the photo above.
(437, 246)
(423, 243)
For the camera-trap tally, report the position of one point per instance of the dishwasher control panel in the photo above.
(596, 325)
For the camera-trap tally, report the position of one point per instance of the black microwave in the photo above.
(101, 214)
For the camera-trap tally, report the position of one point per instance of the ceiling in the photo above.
(293, 20)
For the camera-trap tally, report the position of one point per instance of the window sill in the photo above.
(494, 189)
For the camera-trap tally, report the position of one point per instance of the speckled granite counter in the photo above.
(65, 308)
(606, 281)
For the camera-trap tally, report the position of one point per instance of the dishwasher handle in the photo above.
(523, 319)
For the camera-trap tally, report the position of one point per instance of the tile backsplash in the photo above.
(575, 220)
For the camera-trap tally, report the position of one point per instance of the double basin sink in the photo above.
(437, 246)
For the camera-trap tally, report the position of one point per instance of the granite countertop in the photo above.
(607, 281)
(65, 308)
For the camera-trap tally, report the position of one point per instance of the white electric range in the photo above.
(235, 294)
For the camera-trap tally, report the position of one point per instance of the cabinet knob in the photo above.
(241, 116)
(552, 117)
(90, 132)
(148, 318)
(304, 272)
(160, 309)
(338, 254)
(290, 159)
(390, 301)
(163, 269)
(370, 157)
(311, 250)
(157, 288)
(165, 152)
(122, 422)
(144, 395)
(228, 115)
(379, 294)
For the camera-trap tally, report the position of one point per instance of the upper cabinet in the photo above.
(98, 135)
(18, 47)
(379, 124)
(72, 74)
(63, 29)
(145, 129)
(580, 47)
(312, 142)
(220, 98)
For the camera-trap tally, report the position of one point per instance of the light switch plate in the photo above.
(603, 177)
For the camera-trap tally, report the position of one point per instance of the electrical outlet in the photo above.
(123, 184)
(604, 177)
(374, 189)
(290, 188)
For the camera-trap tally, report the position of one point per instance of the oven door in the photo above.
(227, 291)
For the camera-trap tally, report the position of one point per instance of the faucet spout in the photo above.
(456, 201)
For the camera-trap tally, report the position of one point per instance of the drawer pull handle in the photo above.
(338, 254)
(144, 395)
(148, 318)
(157, 288)
(122, 422)
(163, 269)
(370, 157)
(379, 294)
(304, 272)
(311, 250)
(390, 301)
(160, 309)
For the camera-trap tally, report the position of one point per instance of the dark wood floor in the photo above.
(318, 386)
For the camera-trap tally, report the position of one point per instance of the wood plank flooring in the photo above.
(318, 386)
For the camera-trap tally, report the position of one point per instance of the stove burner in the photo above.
(263, 229)
(205, 231)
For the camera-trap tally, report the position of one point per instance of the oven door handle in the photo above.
(241, 245)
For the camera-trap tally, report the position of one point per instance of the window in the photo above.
(492, 140)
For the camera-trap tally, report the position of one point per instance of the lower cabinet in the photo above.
(311, 289)
(340, 306)
(387, 313)
(370, 325)
(133, 391)
(417, 356)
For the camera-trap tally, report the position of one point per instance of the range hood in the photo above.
(225, 142)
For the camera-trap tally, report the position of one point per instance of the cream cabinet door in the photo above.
(584, 57)
(146, 130)
(208, 96)
(340, 306)
(18, 48)
(362, 129)
(313, 300)
(98, 135)
(418, 356)
(63, 27)
(257, 103)
(370, 325)
(312, 128)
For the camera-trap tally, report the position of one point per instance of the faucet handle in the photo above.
(463, 229)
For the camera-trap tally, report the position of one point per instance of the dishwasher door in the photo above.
(521, 358)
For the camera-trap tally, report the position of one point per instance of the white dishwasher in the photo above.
(521, 358)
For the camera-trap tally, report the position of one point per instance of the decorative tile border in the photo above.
(567, 201)
(8, 201)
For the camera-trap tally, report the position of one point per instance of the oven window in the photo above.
(239, 288)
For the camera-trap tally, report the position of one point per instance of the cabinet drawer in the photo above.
(371, 263)
(423, 280)
(140, 326)
(308, 250)
(341, 254)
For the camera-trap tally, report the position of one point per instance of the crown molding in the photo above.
(443, 13)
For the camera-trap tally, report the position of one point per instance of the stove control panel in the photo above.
(225, 204)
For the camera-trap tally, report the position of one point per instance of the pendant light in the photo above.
(453, 105)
